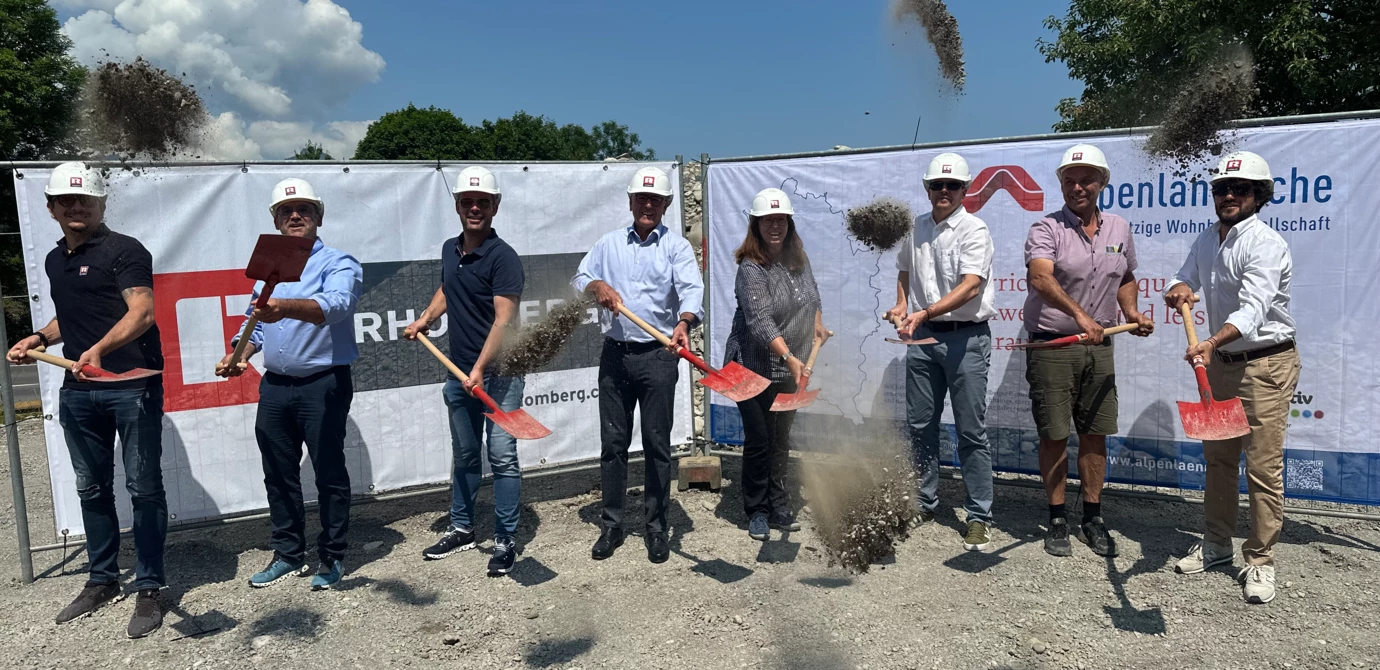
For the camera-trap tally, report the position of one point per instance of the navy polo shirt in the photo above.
(88, 285)
(470, 282)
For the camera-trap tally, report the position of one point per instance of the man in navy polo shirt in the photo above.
(481, 282)
(102, 289)
(306, 332)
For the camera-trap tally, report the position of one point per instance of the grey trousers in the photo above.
(956, 365)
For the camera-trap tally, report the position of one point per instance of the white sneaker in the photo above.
(1202, 556)
(1258, 583)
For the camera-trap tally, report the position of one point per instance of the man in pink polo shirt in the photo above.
(1080, 266)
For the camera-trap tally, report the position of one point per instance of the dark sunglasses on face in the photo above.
(648, 199)
(1239, 189)
(71, 199)
(483, 203)
(303, 210)
(938, 186)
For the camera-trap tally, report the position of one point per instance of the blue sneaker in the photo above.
(277, 570)
(327, 575)
(758, 527)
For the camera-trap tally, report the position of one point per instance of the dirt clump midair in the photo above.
(880, 224)
(539, 342)
(941, 29)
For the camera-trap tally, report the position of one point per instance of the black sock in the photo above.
(1056, 511)
(1090, 510)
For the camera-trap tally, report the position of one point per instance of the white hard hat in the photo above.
(771, 201)
(75, 178)
(475, 179)
(1084, 154)
(1243, 165)
(288, 190)
(650, 180)
(948, 166)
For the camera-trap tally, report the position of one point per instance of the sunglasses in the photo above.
(648, 199)
(938, 186)
(71, 199)
(1239, 189)
(483, 203)
(302, 209)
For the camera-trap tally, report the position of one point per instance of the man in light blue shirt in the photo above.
(306, 332)
(654, 274)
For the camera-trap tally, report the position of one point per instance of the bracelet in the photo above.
(42, 339)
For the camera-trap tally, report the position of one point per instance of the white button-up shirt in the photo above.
(937, 255)
(1245, 282)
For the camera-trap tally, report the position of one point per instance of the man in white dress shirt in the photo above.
(1243, 268)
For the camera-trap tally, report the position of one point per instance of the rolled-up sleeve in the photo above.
(1039, 241)
(1259, 285)
(591, 268)
(340, 290)
(1188, 272)
(685, 272)
(753, 292)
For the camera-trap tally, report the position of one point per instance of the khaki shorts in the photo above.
(1072, 385)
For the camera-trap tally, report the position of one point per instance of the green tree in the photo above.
(1311, 56)
(39, 86)
(612, 139)
(312, 152)
(420, 134)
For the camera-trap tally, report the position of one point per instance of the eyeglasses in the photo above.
(71, 199)
(1239, 189)
(648, 199)
(938, 186)
(483, 203)
(302, 209)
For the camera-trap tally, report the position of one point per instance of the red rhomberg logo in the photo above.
(1011, 178)
(197, 314)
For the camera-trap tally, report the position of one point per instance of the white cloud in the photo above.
(276, 67)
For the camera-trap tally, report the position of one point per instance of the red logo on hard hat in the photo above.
(84, 269)
(474, 181)
(947, 169)
(776, 204)
(1078, 155)
(290, 190)
(1234, 164)
(74, 181)
(649, 181)
(1011, 178)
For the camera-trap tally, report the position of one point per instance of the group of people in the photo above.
(1081, 265)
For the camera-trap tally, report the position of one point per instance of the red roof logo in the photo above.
(74, 182)
(776, 204)
(474, 181)
(289, 190)
(947, 169)
(1078, 155)
(84, 270)
(1010, 178)
(649, 180)
(1233, 165)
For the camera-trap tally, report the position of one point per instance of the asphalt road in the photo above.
(25, 380)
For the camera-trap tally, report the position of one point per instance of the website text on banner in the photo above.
(201, 223)
(1325, 198)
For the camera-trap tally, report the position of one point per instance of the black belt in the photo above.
(632, 347)
(280, 379)
(1248, 356)
(1045, 337)
(950, 326)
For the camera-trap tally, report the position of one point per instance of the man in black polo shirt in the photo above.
(481, 282)
(102, 289)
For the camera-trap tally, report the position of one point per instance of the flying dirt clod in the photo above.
(862, 508)
(1222, 91)
(135, 110)
(539, 342)
(941, 29)
(880, 224)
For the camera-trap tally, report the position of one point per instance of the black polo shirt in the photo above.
(87, 288)
(470, 283)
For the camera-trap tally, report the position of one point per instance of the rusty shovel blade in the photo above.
(1209, 419)
(735, 382)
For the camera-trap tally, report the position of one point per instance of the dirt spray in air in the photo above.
(539, 342)
(1221, 91)
(135, 110)
(941, 29)
(880, 224)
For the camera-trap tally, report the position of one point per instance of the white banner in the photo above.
(1325, 198)
(201, 223)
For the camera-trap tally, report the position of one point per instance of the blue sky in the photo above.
(727, 78)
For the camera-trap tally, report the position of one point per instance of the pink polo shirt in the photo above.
(1089, 270)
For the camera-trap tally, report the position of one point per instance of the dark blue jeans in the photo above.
(467, 427)
(90, 421)
(310, 409)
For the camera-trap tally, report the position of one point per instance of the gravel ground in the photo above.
(723, 600)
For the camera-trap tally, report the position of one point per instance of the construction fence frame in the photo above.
(700, 444)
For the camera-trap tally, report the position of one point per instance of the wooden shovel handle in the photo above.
(455, 370)
(814, 351)
(1187, 311)
(243, 344)
(38, 354)
(1123, 328)
(623, 309)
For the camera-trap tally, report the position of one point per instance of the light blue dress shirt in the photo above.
(657, 277)
(335, 280)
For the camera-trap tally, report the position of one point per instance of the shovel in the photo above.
(93, 373)
(1209, 419)
(1061, 342)
(734, 381)
(789, 402)
(896, 340)
(518, 422)
(276, 259)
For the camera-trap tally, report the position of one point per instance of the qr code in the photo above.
(1305, 475)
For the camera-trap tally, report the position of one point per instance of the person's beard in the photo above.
(1242, 213)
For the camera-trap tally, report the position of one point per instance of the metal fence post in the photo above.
(704, 251)
(21, 507)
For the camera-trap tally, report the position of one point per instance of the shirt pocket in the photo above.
(1111, 261)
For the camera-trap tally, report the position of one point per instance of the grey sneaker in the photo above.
(978, 536)
(1057, 540)
(758, 528)
(783, 520)
(148, 615)
(1258, 584)
(1094, 534)
(89, 600)
(1202, 556)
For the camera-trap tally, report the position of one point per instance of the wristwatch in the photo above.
(786, 358)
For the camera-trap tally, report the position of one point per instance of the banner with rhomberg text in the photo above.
(1324, 205)
(201, 223)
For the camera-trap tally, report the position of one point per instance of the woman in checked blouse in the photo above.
(776, 323)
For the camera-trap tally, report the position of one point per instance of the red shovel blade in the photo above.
(735, 382)
(928, 340)
(789, 402)
(96, 374)
(519, 424)
(1218, 420)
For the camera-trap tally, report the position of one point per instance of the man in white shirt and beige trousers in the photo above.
(1243, 268)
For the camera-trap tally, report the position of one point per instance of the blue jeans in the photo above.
(90, 421)
(956, 365)
(467, 424)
